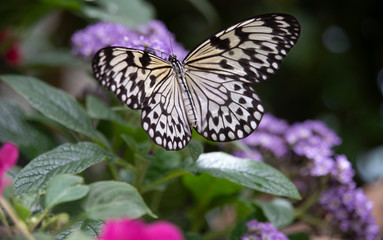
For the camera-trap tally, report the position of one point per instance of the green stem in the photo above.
(312, 220)
(168, 177)
(39, 219)
(299, 211)
(3, 219)
(141, 164)
(126, 165)
(19, 224)
(113, 171)
(198, 213)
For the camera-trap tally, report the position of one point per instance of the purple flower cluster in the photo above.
(305, 149)
(269, 138)
(262, 230)
(351, 211)
(153, 37)
(309, 143)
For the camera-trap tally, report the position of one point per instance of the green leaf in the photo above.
(64, 188)
(67, 158)
(88, 227)
(195, 149)
(79, 235)
(249, 173)
(42, 236)
(64, 4)
(22, 212)
(206, 187)
(129, 12)
(130, 142)
(164, 162)
(278, 211)
(99, 110)
(53, 103)
(14, 128)
(52, 57)
(109, 199)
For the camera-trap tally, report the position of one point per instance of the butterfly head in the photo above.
(172, 58)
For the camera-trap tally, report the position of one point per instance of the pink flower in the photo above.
(127, 229)
(8, 157)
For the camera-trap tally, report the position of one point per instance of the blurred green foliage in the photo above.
(331, 74)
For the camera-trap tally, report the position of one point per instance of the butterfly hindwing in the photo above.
(164, 117)
(227, 110)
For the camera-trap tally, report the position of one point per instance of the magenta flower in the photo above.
(128, 229)
(8, 157)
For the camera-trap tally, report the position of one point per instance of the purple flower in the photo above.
(343, 171)
(269, 136)
(351, 210)
(152, 37)
(262, 230)
(274, 125)
(322, 166)
(311, 133)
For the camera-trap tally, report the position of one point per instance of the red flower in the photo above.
(127, 229)
(13, 55)
(8, 157)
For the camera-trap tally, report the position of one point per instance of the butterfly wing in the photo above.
(144, 81)
(220, 73)
(131, 74)
(164, 117)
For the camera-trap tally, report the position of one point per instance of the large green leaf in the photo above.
(53, 103)
(206, 187)
(67, 158)
(14, 128)
(249, 173)
(99, 110)
(278, 211)
(121, 11)
(109, 199)
(65, 188)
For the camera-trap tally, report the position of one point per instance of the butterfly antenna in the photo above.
(171, 43)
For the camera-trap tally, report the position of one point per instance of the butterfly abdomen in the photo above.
(186, 96)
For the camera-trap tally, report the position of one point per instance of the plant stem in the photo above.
(19, 224)
(142, 165)
(5, 222)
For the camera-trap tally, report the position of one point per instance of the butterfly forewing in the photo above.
(221, 69)
(249, 51)
(131, 74)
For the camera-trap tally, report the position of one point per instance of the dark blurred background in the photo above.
(334, 73)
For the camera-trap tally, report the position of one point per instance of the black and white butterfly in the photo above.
(210, 90)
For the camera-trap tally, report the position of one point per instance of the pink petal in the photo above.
(8, 156)
(163, 231)
(124, 229)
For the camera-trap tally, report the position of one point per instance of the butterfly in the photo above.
(211, 90)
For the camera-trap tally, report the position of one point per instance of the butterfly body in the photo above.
(188, 102)
(211, 90)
